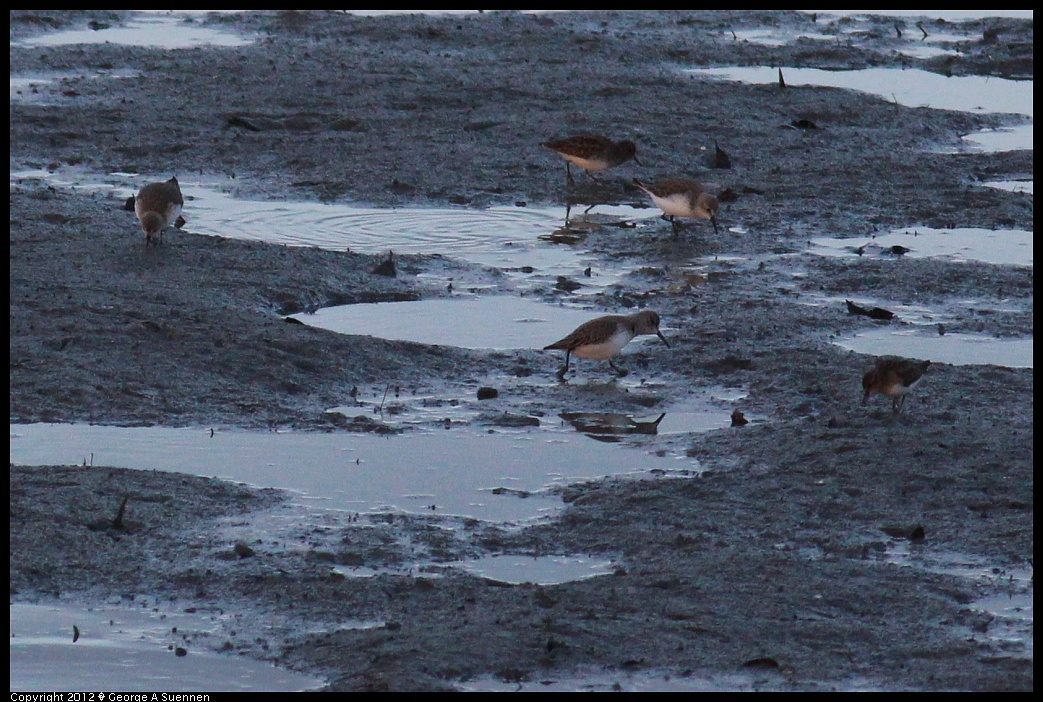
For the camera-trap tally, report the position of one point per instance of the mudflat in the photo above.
(772, 564)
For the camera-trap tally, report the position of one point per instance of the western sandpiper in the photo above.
(604, 337)
(681, 197)
(592, 152)
(894, 377)
(158, 206)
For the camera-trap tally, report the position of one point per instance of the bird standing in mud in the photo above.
(593, 152)
(893, 376)
(158, 206)
(604, 337)
(681, 197)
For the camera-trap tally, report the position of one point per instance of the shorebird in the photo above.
(158, 206)
(592, 152)
(681, 197)
(894, 377)
(604, 337)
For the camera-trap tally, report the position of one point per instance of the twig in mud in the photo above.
(117, 522)
(381, 408)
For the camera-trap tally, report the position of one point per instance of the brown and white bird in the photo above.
(592, 152)
(158, 206)
(681, 197)
(604, 337)
(893, 376)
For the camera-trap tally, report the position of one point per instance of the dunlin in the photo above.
(681, 197)
(894, 377)
(604, 337)
(158, 206)
(592, 152)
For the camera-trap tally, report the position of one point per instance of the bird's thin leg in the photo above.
(568, 172)
(619, 371)
(678, 226)
(564, 368)
(591, 176)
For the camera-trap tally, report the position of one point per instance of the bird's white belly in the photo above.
(587, 164)
(604, 349)
(676, 205)
(173, 212)
(169, 217)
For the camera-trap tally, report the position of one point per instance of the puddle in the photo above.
(997, 140)
(1014, 186)
(948, 15)
(485, 322)
(913, 88)
(912, 315)
(131, 650)
(771, 36)
(1010, 592)
(615, 426)
(928, 51)
(961, 244)
(910, 87)
(955, 349)
(52, 88)
(503, 476)
(538, 570)
(517, 240)
(160, 31)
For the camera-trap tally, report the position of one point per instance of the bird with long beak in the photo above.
(592, 152)
(681, 197)
(158, 206)
(894, 377)
(604, 337)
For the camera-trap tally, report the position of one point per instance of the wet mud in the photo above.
(777, 555)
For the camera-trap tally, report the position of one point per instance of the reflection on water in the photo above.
(130, 650)
(960, 244)
(928, 344)
(512, 239)
(909, 86)
(947, 15)
(1014, 186)
(1004, 139)
(484, 322)
(609, 426)
(449, 472)
(161, 31)
(539, 570)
